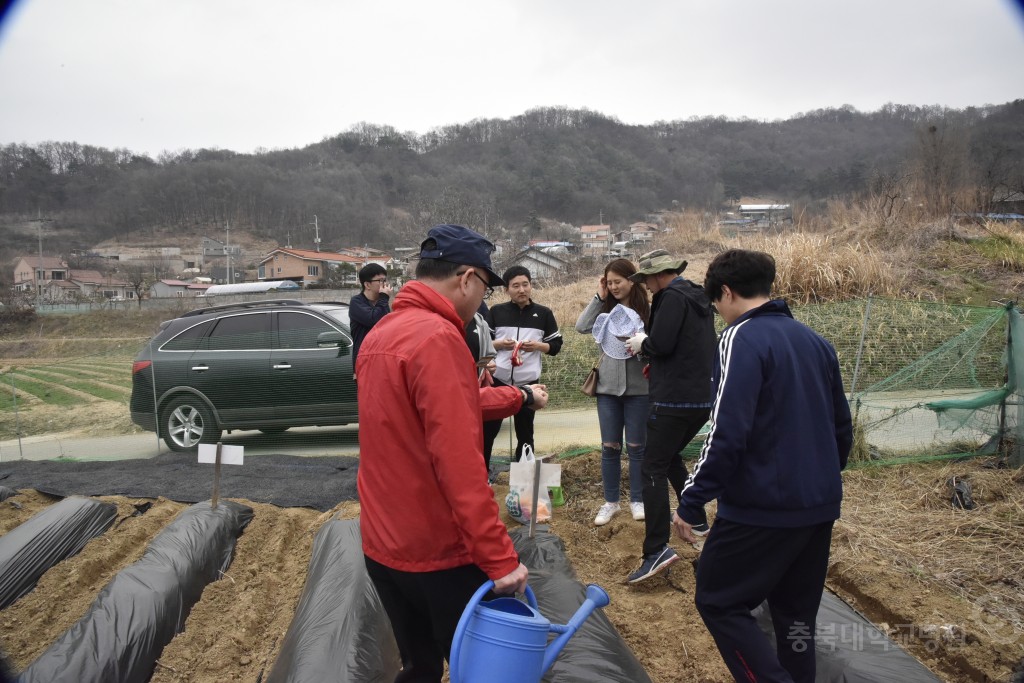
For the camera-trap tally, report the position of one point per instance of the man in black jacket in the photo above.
(371, 304)
(680, 349)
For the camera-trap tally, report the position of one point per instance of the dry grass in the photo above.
(904, 516)
(1004, 245)
(815, 268)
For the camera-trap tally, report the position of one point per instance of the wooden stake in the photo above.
(216, 478)
(536, 496)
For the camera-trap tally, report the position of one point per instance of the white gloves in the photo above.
(635, 342)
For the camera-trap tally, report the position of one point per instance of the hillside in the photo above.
(373, 185)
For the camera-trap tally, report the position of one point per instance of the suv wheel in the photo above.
(187, 422)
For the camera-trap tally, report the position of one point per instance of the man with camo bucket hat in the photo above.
(680, 349)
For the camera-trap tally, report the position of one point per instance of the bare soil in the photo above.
(235, 631)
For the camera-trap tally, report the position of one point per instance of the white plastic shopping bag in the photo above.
(521, 476)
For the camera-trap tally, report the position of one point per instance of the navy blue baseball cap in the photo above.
(457, 244)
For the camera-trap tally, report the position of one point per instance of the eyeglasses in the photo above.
(488, 291)
(379, 280)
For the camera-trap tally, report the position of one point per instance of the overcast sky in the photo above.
(154, 75)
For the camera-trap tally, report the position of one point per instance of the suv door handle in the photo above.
(200, 368)
(282, 366)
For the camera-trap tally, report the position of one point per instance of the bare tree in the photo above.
(941, 161)
(140, 276)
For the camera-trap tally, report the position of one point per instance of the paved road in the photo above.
(554, 430)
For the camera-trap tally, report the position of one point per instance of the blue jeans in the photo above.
(615, 414)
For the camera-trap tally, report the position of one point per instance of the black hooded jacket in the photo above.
(681, 344)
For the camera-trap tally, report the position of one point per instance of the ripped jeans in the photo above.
(618, 414)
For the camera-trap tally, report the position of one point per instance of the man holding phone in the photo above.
(367, 308)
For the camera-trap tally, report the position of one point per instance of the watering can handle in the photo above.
(467, 614)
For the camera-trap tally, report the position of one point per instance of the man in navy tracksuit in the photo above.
(780, 435)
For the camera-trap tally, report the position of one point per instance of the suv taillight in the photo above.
(140, 365)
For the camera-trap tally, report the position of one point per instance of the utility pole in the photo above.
(227, 251)
(37, 276)
(316, 240)
(39, 273)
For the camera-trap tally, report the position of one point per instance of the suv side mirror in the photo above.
(326, 340)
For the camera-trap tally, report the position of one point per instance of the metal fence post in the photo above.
(860, 347)
(17, 417)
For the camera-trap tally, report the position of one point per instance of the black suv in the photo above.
(266, 365)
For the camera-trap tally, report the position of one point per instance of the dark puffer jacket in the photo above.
(681, 344)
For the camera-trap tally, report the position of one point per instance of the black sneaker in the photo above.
(700, 529)
(653, 564)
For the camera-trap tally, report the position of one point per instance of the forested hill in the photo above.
(373, 184)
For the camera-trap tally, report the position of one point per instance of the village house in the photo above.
(367, 255)
(30, 273)
(211, 247)
(541, 263)
(93, 284)
(304, 266)
(766, 215)
(640, 233)
(51, 279)
(163, 289)
(596, 240)
(165, 259)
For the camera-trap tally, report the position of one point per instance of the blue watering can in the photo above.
(506, 641)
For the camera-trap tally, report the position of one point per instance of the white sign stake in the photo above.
(217, 455)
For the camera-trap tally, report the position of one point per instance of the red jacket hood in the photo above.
(416, 294)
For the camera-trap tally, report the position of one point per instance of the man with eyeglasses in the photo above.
(431, 531)
(371, 304)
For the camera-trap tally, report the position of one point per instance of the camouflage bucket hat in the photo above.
(657, 261)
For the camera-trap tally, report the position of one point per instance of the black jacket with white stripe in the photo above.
(534, 322)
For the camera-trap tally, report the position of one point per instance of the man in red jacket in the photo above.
(430, 526)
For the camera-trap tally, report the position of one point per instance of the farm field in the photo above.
(942, 582)
(86, 395)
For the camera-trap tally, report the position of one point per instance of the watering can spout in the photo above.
(595, 597)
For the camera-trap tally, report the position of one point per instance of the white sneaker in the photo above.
(638, 511)
(605, 514)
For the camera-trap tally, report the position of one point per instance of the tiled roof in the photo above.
(313, 255)
(49, 262)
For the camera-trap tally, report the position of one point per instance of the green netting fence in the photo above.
(924, 378)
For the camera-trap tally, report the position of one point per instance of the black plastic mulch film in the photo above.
(850, 649)
(596, 652)
(340, 632)
(49, 536)
(123, 633)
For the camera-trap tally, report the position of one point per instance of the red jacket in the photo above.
(423, 487)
